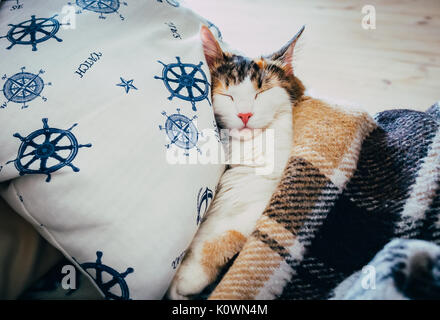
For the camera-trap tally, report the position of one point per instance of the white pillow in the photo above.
(113, 202)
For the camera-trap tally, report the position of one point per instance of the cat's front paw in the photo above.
(189, 281)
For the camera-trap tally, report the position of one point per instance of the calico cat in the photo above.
(247, 94)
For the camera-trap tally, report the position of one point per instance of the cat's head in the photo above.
(251, 93)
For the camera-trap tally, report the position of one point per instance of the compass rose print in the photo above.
(23, 87)
(181, 131)
(103, 7)
(33, 31)
(185, 81)
(47, 150)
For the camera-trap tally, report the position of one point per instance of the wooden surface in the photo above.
(396, 65)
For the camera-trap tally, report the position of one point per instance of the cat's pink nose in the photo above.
(245, 117)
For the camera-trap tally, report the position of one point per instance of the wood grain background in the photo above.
(396, 65)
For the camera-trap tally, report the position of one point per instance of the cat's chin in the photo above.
(244, 133)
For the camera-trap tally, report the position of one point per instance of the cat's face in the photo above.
(250, 93)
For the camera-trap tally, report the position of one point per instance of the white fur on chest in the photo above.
(256, 164)
(243, 193)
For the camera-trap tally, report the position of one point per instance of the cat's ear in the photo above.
(285, 54)
(211, 48)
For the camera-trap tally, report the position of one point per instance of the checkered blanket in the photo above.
(352, 184)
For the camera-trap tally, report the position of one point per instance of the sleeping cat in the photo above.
(247, 94)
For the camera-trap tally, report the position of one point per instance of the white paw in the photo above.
(189, 281)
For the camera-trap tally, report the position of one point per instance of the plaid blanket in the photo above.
(352, 184)
(403, 270)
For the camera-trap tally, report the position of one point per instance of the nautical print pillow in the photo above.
(105, 126)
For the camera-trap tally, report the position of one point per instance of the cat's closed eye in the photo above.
(227, 95)
(256, 95)
(232, 98)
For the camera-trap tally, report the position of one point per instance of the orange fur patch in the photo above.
(261, 63)
(255, 256)
(217, 87)
(217, 252)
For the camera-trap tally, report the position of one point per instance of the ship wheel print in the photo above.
(33, 31)
(103, 7)
(23, 87)
(181, 131)
(45, 151)
(185, 81)
(204, 199)
(100, 272)
(217, 30)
